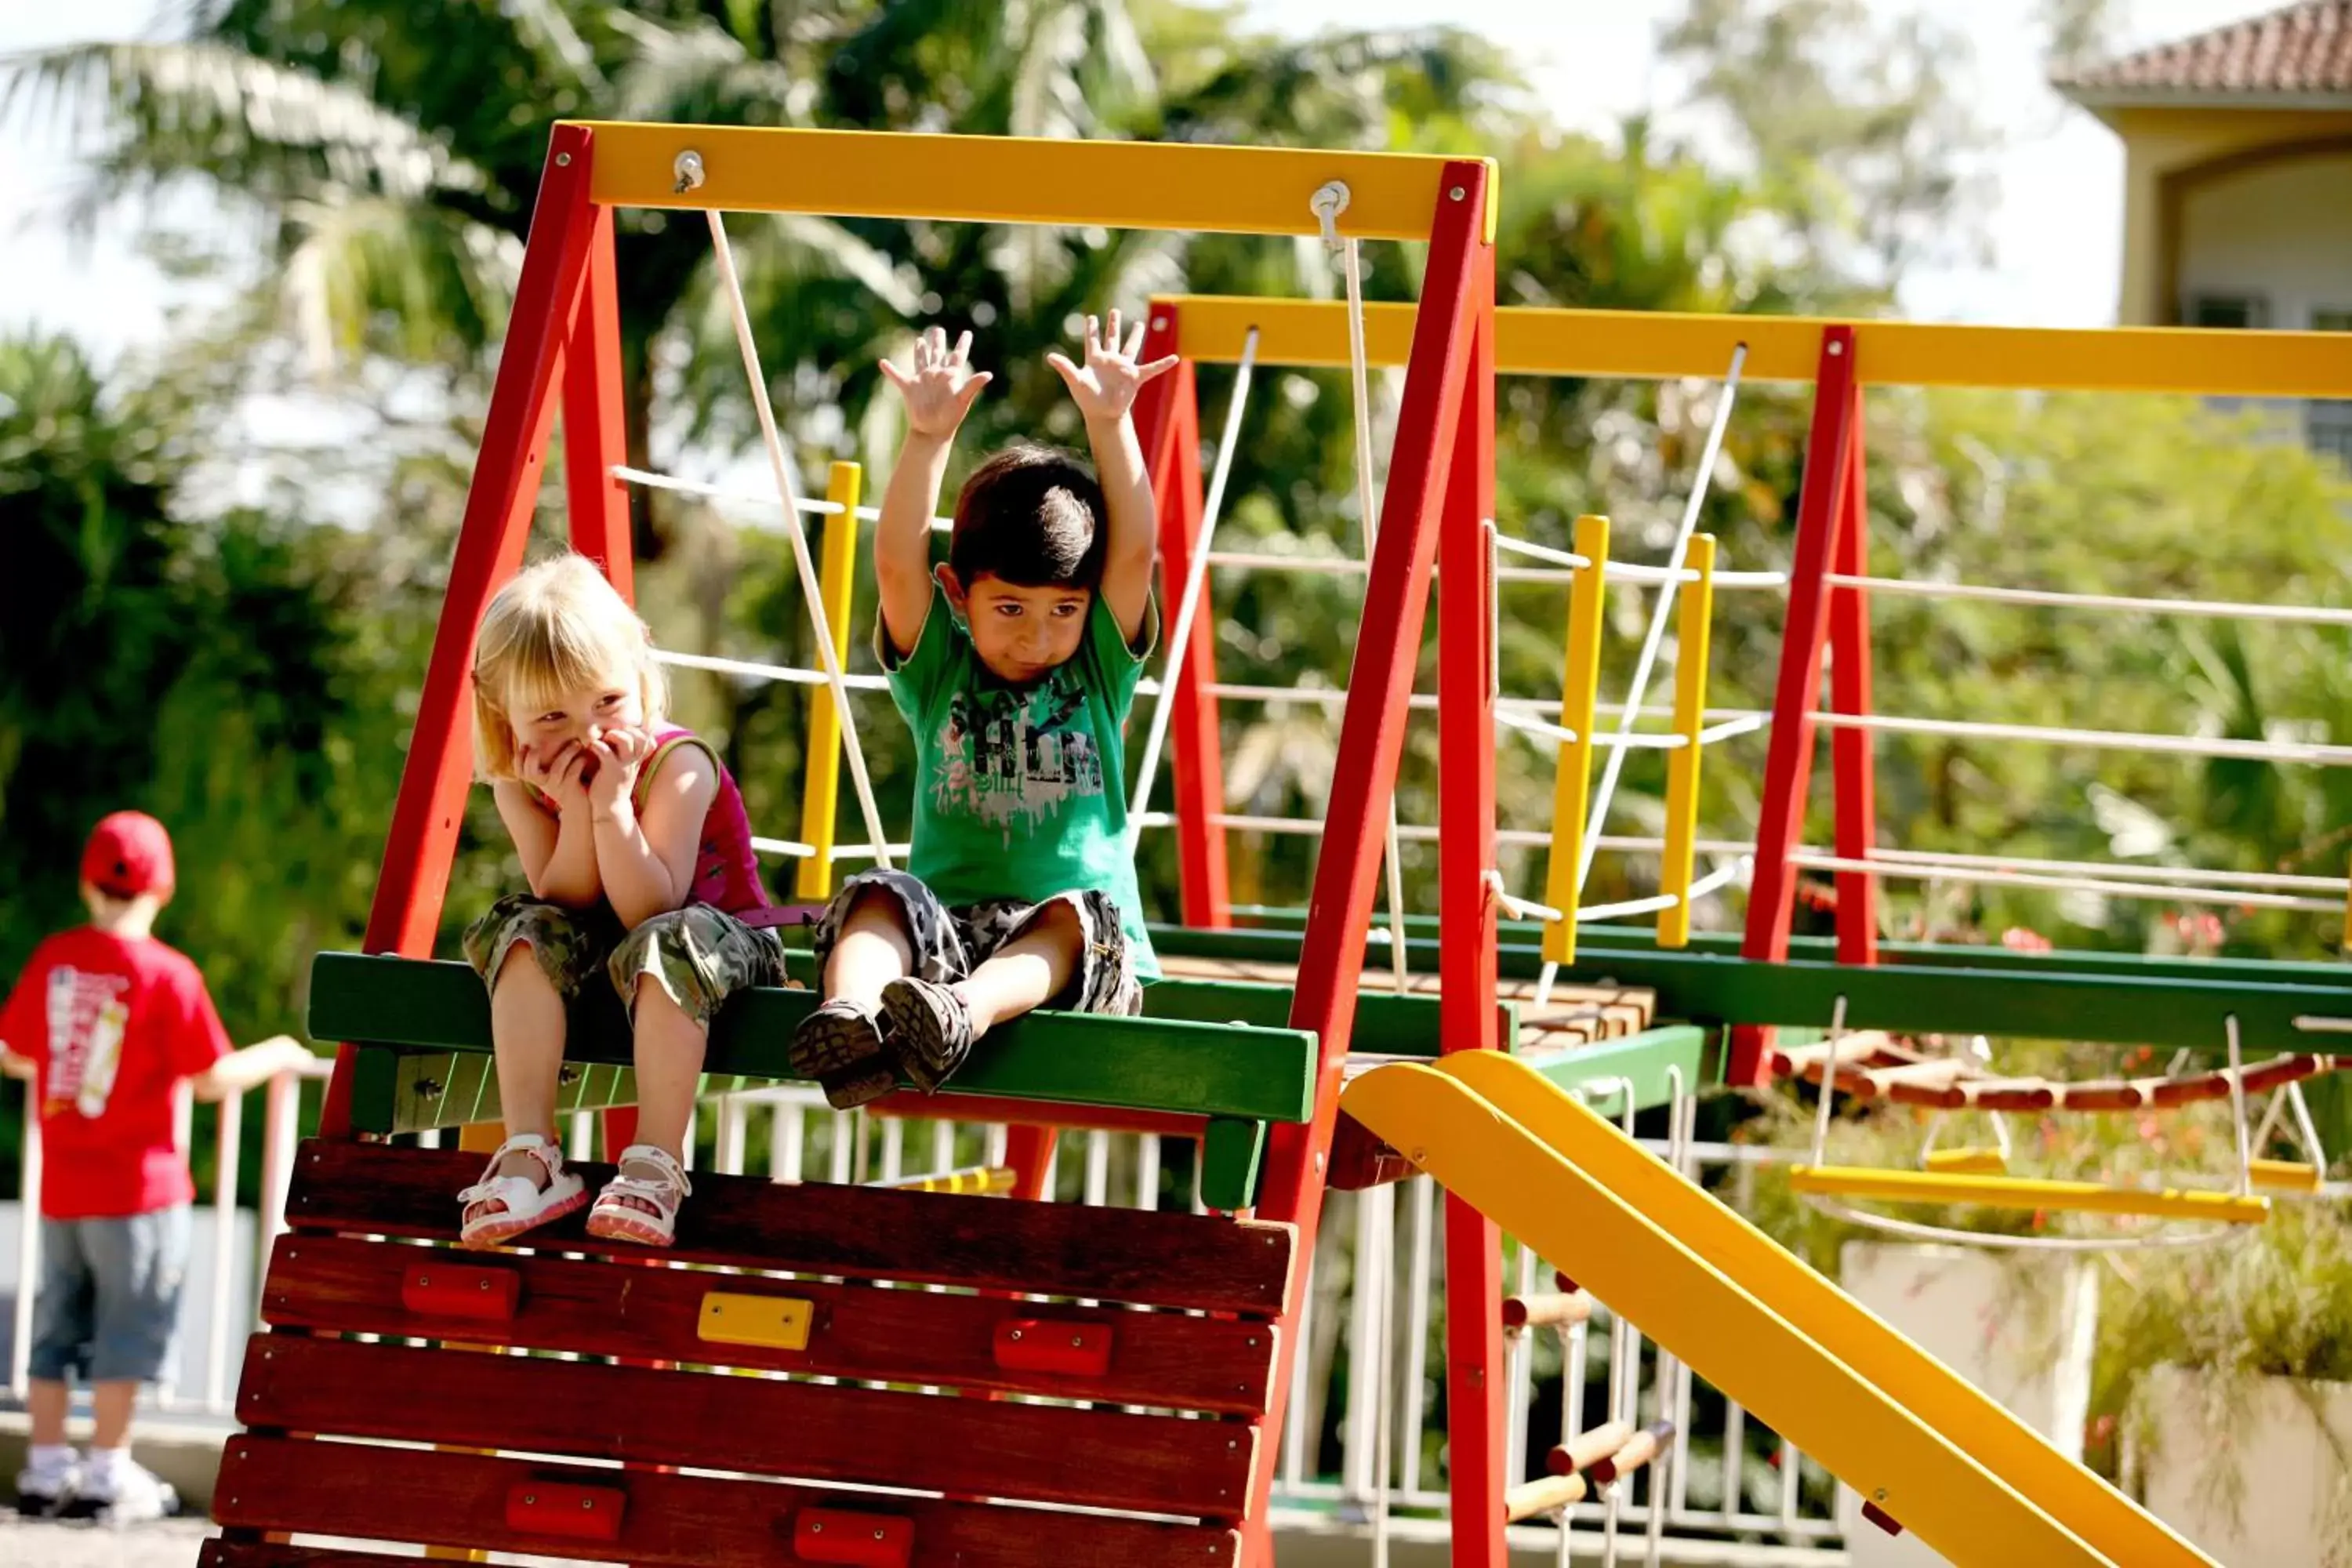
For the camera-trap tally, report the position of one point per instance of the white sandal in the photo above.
(634, 1208)
(499, 1208)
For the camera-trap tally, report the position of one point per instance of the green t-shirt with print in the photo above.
(1020, 791)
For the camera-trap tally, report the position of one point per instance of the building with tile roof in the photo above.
(2238, 178)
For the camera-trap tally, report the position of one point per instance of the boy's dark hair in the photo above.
(1033, 516)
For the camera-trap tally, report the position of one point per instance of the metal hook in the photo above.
(1328, 203)
(689, 170)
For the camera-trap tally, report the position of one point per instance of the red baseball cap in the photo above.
(128, 854)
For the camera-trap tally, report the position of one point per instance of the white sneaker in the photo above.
(132, 1494)
(48, 1492)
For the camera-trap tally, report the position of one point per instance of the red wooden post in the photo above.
(1852, 760)
(1168, 418)
(1477, 1445)
(596, 433)
(1788, 762)
(423, 841)
(1372, 740)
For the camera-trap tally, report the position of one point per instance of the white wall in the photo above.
(2282, 231)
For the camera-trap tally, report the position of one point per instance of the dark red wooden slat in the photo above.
(414, 1495)
(1159, 1259)
(347, 1285)
(275, 1554)
(970, 1447)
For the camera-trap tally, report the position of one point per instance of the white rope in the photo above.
(2104, 740)
(1654, 638)
(1567, 558)
(1196, 577)
(1360, 383)
(1520, 909)
(1661, 612)
(810, 588)
(653, 480)
(2216, 610)
(1829, 1081)
(1413, 833)
(792, 848)
(1922, 871)
(2205, 1234)
(2238, 1107)
(1745, 725)
(753, 669)
(1324, 565)
(1627, 571)
(1626, 909)
(1634, 739)
(2273, 879)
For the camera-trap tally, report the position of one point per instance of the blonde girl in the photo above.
(638, 854)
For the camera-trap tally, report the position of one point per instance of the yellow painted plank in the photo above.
(821, 775)
(775, 1323)
(1817, 1307)
(1009, 179)
(2025, 1193)
(1786, 1378)
(2287, 1175)
(1969, 1161)
(1644, 345)
(1679, 856)
(1572, 775)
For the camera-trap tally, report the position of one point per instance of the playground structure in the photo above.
(1291, 1089)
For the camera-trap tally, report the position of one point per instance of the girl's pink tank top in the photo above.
(726, 870)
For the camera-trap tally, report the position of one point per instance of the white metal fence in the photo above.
(1375, 1467)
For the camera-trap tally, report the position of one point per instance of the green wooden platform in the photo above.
(428, 1025)
(2104, 998)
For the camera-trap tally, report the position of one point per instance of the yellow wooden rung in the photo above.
(2284, 1175)
(2026, 1192)
(774, 1322)
(1968, 1162)
(984, 1179)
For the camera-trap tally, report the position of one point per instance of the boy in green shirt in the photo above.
(1014, 664)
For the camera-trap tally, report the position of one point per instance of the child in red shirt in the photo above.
(107, 1021)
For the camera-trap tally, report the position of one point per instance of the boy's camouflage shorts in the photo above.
(699, 955)
(950, 943)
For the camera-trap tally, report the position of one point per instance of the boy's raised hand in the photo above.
(1104, 388)
(941, 388)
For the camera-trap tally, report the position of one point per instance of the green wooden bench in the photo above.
(425, 1027)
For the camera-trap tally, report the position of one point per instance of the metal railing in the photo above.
(232, 1282)
(1387, 1476)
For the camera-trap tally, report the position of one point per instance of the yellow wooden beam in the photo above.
(1572, 777)
(1788, 1380)
(1680, 851)
(821, 768)
(1962, 1412)
(1646, 345)
(1010, 179)
(2025, 1193)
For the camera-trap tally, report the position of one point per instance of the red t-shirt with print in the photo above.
(113, 1024)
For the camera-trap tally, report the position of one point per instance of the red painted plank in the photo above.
(1476, 1449)
(971, 1446)
(1168, 418)
(410, 1495)
(1789, 759)
(1154, 1259)
(1852, 761)
(405, 913)
(340, 1285)
(1372, 732)
(595, 430)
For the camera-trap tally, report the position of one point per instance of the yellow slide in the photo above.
(1951, 1465)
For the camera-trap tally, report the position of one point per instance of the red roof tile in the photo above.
(2299, 50)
